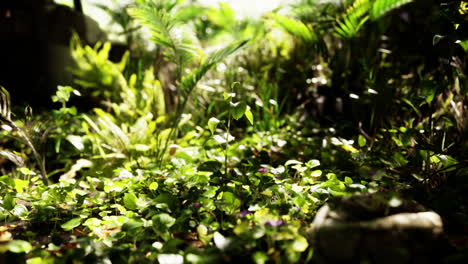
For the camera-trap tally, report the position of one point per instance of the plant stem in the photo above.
(175, 124)
(227, 140)
(40, 160)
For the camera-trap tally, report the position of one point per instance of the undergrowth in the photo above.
(225, 147)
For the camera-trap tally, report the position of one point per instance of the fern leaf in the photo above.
(381, 7)
(117, 138)
(158, 21)
(353, 19)
(295, 27)
(190, 81)
(167, 31)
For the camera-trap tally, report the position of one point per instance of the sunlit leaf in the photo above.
(260, 257)
(212, 124)
(72, 223)
(163, 221)
(249, 116)
(348, 180)
(220, 241)
(153, 186)
(312, 163)
(238, 110)
(170, 259)
(230, 202)
(292, 162)
(19, 246)
(130, 201)
(362, 141)
(219, 139)
(299, 244)
(316, 173)
(19, 210)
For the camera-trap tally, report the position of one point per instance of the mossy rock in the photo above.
(377, 228)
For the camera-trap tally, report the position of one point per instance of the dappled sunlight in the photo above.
(326, 131)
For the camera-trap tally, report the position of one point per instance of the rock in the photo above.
(376, 229)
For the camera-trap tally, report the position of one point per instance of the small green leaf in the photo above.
(19, 246)
(238, 110)
(141, 147)
(114, 187)
(227, 95)
(249, 116)
(348, 180)
(219, 139)
(312, 163)
(20, 185)
(399, 159)
(70, 224)
(76, 141)
(362, 141)
(300, 244)
(316, 173)
(130, 201)
(8, 202)
(36, 260)
(163, 221)
(92, 223)
(260, 257)
(231, 203)
(292, 162)
(153, 186)
(212, 124)
(20, 210)
(233, 85)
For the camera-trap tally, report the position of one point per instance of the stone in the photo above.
(377, 228)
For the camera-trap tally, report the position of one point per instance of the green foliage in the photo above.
(359, 12)
(95, 72)
(70, 224)
(5, 118)
(166, 31)
(381, 7)
(295, 27)
(190, 81)
(169, 171)
(353, 19)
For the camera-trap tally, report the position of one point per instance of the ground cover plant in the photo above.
(220, 145)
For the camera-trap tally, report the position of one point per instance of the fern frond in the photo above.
(353, 19)
(190, 81)
(158, 21)
(167, 31)
(381, 7)
(295, 27)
